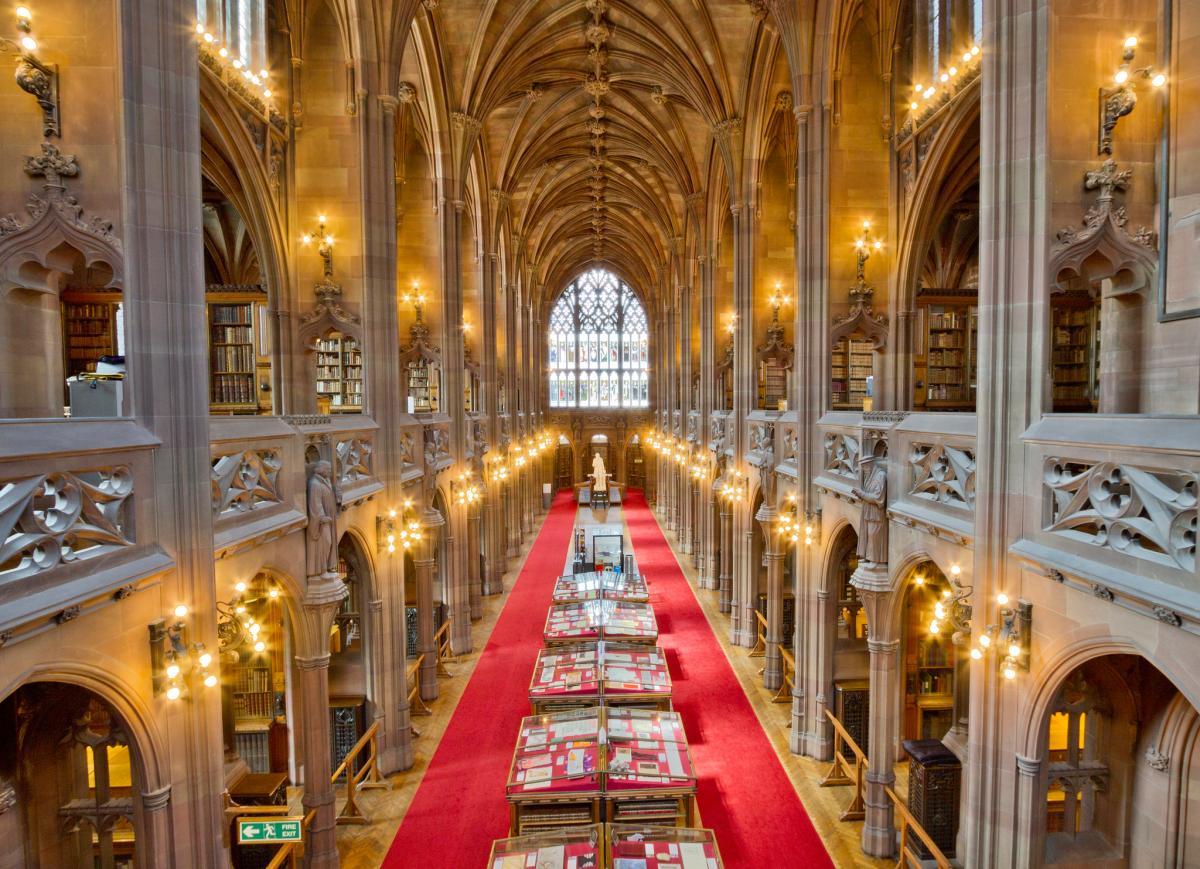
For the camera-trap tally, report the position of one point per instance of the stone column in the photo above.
(493, 530)
(512, 524)
(745, 597)
(321, 603)
(878, 834)
(1030, 820)
(773, 666)
(154, 833)
(458, 586)
(425, 562)
(725, 548)
(474, 535)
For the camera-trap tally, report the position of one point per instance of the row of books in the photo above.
(233, 389)
(233, 359)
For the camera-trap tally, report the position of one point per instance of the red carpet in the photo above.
(459, 807)
(744, 794)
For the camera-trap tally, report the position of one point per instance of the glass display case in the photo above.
(570, 848)
(601, 585)
(600, 619)
(588, 674)
(634, 845)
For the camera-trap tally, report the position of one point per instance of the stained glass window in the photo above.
(601, 316)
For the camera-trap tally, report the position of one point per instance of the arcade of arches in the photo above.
(889, 309)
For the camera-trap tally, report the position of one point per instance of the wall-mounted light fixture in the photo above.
(416, 298)
(1118, 100)
(237, 624)
(324, 244)
(736, 487)
(777, 300)
(234, 68)
(465, 492)
(926, 96)
(38, 79)
(172, 660)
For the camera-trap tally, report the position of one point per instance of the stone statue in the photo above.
(599, 475)
(322, 521)
(873, 533)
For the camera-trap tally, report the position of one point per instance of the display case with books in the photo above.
(1075, 346)
(588, 674)
(90, 329)
(569, 848)
(852, 361)
(633, 846)
(597, 585)
(946, 361)
(649, 775)
(555, 776)
(600, 619)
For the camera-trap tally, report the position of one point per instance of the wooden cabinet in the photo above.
(424, 387)
(90, 328)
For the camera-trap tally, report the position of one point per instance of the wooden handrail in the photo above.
(441, 643)
(292, 851)
(366, 777)
(907, 822)
(842, 772)
(416, 706)
(787, 683)
(760, 640)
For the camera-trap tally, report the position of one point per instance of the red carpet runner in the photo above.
(459, 807)
(744, 794)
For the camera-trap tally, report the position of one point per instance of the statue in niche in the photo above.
(599, 475)
(322, 521)
(873, 533)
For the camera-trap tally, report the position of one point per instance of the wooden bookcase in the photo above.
(851, 363)
(237, 368)
(89, 329)
(929, 665)
(340, 373)
(1075, 350)
(772, 383)
(947, 348)
(424, 386)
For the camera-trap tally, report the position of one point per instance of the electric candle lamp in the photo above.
(181, 610)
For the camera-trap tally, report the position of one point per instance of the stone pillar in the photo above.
(1030, 820)
(425, 562)
(745, 599)
(878, 835)
(154, 832)
(474, 535)
(512, 524)
(773, 665)
(321, 603)
(725, 549)
(495, 545)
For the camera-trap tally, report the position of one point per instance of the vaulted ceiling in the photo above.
(595, 118)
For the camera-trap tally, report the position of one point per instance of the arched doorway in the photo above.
(564, 464)
(71, 773)
(1120, 774)
(635, 466)
(929, 656)
(349, 662)
(846, 650)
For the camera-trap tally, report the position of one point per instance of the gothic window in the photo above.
(598, 338)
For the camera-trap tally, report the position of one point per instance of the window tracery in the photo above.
(598, 345)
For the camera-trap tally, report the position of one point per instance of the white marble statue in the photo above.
(599, 475)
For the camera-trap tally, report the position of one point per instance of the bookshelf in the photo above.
(1075, 352)
(89, 329)
(772, 383)
(950, 331)
(238, 369)
(424, 387)
(253, 711)
(340, 373)
(852, 362)
(929, 670)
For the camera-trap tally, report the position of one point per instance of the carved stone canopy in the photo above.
(327, 314)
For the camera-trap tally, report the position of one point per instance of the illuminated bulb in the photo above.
(262, 73)
(1131, 42)
(260, 646)
(929, 91)
(985, 641)
(320, 218)
(255, 627)
(943, 78)
(966, 56)
(955, 570)
(237, 63)
(1014, 650)
(181, 610)
(946, 593)
(205, 659)
(920, 580)
(223, 51)
(934, 627)
(273, 593)
(267, 94)
(1122, 76)
(1009, 672)
(1002, 599)
(392, 513)
(974, 50)
(939, 610)
(917, 88)
(173, 692)
(210, 681)
(208, 37)
(879, 245)
(1159, 80)
(172, 671)
(199, 27)
(240, 587)
(953, 70)
(391, 548)
(976, 654)
(306, 238)
(29, 43)
(328, 238)
(239, 610)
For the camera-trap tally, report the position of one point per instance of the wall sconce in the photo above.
(416, 298)
(778, 300)
(324, 244)
(235, 66)
(734, 490)
(465, 491)
(1117, 102)
(496, 469)
(236, 626)
(924, 96)
(39, 80)
(1009, 639)
(171, 659)
(385, 532)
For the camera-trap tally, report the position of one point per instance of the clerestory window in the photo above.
(599, 345)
